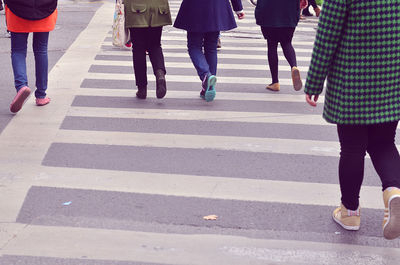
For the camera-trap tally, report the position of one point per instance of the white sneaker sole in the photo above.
(347, 227)
(391, 230)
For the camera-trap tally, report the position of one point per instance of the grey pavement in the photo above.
(73, 17)
(100, 177)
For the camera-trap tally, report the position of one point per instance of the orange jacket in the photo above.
(17, 24)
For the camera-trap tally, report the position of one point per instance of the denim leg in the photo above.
(195, 49)
(40, 41)
(18, 59)
(210, 50)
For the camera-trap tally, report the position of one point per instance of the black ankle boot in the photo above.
(161, 84)
(142, 92)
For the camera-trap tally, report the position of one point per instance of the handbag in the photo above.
(120, 35)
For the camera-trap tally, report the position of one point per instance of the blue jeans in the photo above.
(18, 59)
(205, 61)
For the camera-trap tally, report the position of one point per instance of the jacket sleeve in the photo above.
(237, 5)
(328, 38)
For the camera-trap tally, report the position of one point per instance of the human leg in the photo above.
(386, 160)
(353, 144)
(18, 59)
(154, 48)
(384, 154)
(210, 50)
(285, 38)
(195, 42)
(138, 38)
(273, 59)
(195, 45)
(270, 34)
(40, 41)
(157, 60)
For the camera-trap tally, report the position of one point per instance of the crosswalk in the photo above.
(109, 179)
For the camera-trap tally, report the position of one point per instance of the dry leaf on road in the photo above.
(210, 217)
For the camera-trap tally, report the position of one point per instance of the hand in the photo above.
(312, 100)
(240, 15)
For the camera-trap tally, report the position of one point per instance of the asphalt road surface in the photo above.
(100, 177)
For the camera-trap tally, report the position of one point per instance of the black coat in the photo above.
(32, 9)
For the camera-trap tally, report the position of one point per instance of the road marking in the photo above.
(174, 94)
(100, 244)
(192, 79)
(209, 187)
(238, 66)
(227, 37)
(26, 139)
(183, 47)
(197, 115)
(184, 54)
(229, 143)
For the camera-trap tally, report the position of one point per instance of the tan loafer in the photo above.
(297, 84)
(274, 87)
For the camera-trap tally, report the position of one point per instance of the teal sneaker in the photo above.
(208, 92)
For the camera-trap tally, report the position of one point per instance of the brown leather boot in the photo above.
(161, 84)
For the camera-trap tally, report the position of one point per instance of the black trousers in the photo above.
(312, 3)
(146, 39)
(284, 37)
(379, 141)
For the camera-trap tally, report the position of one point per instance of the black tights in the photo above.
(284, 37)
(379, 141)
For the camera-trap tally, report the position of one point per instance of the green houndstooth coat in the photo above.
(357, 48)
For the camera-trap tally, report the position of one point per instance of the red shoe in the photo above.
(19, 99)
(42, 101)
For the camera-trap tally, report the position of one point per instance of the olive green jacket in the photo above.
(147, 13)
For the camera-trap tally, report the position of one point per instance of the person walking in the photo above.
(203, 21)
(145, 20)
(306, 11)
(23, 17)
(362, 98)
(1, 5)
(278, 21)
